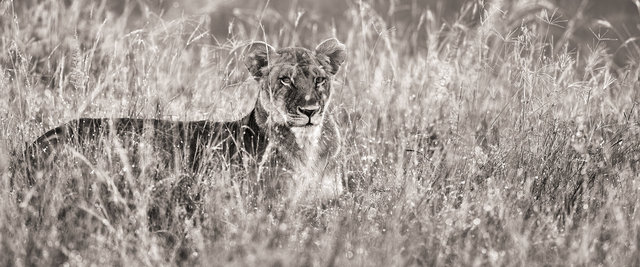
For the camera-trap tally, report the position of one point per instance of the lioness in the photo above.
(290, 134)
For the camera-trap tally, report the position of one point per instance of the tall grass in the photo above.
(492, 137)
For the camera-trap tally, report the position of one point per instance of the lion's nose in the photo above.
(309, 110)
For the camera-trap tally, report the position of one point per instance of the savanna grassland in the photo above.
(475, 133)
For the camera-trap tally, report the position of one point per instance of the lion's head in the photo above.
(295, 83)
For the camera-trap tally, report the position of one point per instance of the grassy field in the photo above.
(495, 135)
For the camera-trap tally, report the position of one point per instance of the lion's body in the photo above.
(307, 158)
(186, 140)
(290, 136)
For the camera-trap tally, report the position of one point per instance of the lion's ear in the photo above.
(333, 53)
(257, 55)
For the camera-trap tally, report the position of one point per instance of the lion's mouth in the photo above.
(306, 122)
(303, 125)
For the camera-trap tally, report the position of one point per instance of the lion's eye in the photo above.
(320, 80)
(285, 80)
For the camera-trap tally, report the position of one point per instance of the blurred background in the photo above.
(614, 23)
